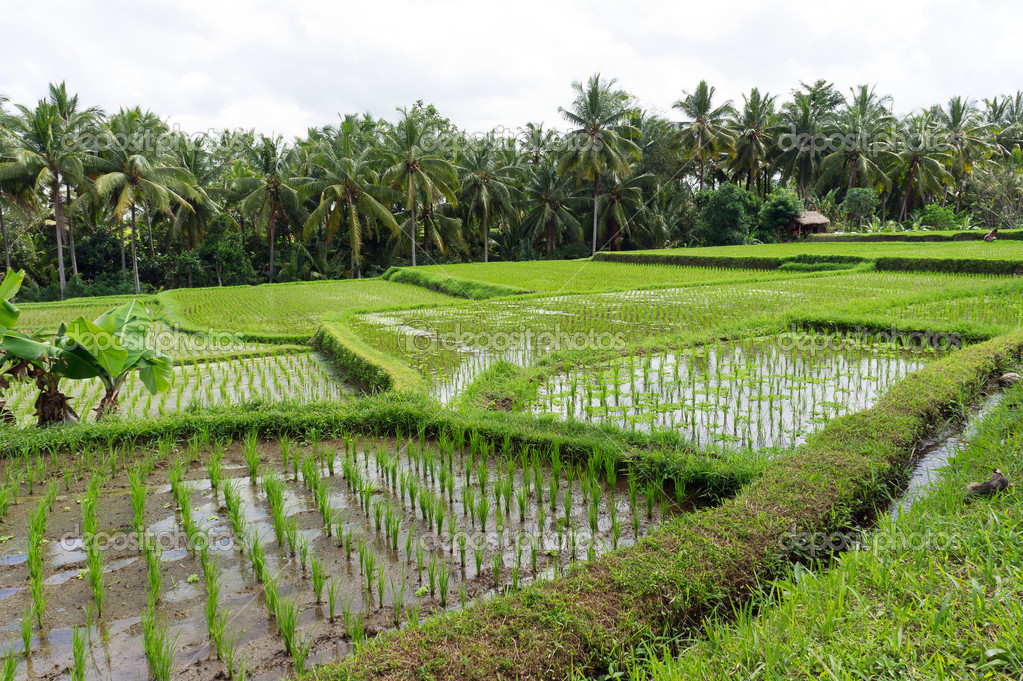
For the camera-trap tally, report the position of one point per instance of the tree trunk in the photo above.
(7, 246)
(272, 231)
(109, 404)
(52, 406)
(486, 238)
(905, 199)
(58, 228)
(702, 161)
(124, 260)
(134, 255)
(414, 234)
(596, 195)
(550, 237)
(71, 235)
(149, 230)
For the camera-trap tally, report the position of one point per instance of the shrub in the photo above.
(778, 211)
(860, 203)
(727, 215)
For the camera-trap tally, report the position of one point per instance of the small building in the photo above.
(810, 222)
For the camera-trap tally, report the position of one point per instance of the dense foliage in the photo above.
(99, 203)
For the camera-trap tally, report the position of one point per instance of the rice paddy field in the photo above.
(576, 472)
(571, 276)
(289, 309)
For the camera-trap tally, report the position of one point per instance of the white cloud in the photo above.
(284, 68)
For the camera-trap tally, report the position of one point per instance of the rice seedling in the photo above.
(153, 552)
(319, 577)
(443, 577)
(431, 571)
(159, 646)
(271, 594)
(287, 615)
(138, 488)
(291, 534)
(498, 564)
(412, 613)
(303, 552)
(250, 450)
(381, 581)
(257, 557)
(78, 654)
(10, 666)
(214, 467)
(397, 598)
(477, 554)
(333, 587)
(25, 626)
(302, 645)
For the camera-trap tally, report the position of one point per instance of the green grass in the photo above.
(286, 310)
(934, 593)
(578, 276)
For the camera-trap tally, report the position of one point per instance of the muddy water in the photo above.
(116, 651)
(936, 453)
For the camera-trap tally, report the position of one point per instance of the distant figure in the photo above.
(996, 483)
(992, 235)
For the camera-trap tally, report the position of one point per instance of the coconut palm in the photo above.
(966, 134)
(754, 131)
(705, 130)
(488, 189)
(602, 140)
(134, 174)
(350, 197)
(622, 209)
(549, 206)
(412, 169)
(919, 167)
(865, 149)
(48, 155)
(270, 194)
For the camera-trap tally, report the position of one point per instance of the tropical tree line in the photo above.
(94, 202)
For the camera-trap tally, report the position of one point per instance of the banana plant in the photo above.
(110, 348)
(9, 287)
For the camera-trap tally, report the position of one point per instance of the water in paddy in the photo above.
(753, 393)
(529, 534)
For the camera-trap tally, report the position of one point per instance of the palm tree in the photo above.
(67, 107)
(919, 167)
(602, 139)
(754, 131)
(270, 193)
(548, 204)
(133, 174)
(487, 188)
(348, 189)
(705, 130)
(414, 170)
(195, 156)
(622, 207)
(865, 149)
(966, 134)
(48, 155)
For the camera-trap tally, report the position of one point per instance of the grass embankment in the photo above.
(966, 257)
(937, 235)
(935, 593)
(692, 567)
(362, 364)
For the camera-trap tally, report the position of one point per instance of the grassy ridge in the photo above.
(448, 285)
(934, 593)
(361, 363)
(937, 235)
(967, 257)
(692, 566)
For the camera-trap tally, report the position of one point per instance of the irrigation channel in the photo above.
(309, 547)
(937, 452)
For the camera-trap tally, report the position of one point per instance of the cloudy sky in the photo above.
(285, 66)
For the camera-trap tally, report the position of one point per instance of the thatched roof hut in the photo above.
(810, 222)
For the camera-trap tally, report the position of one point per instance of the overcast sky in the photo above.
(285, 66)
